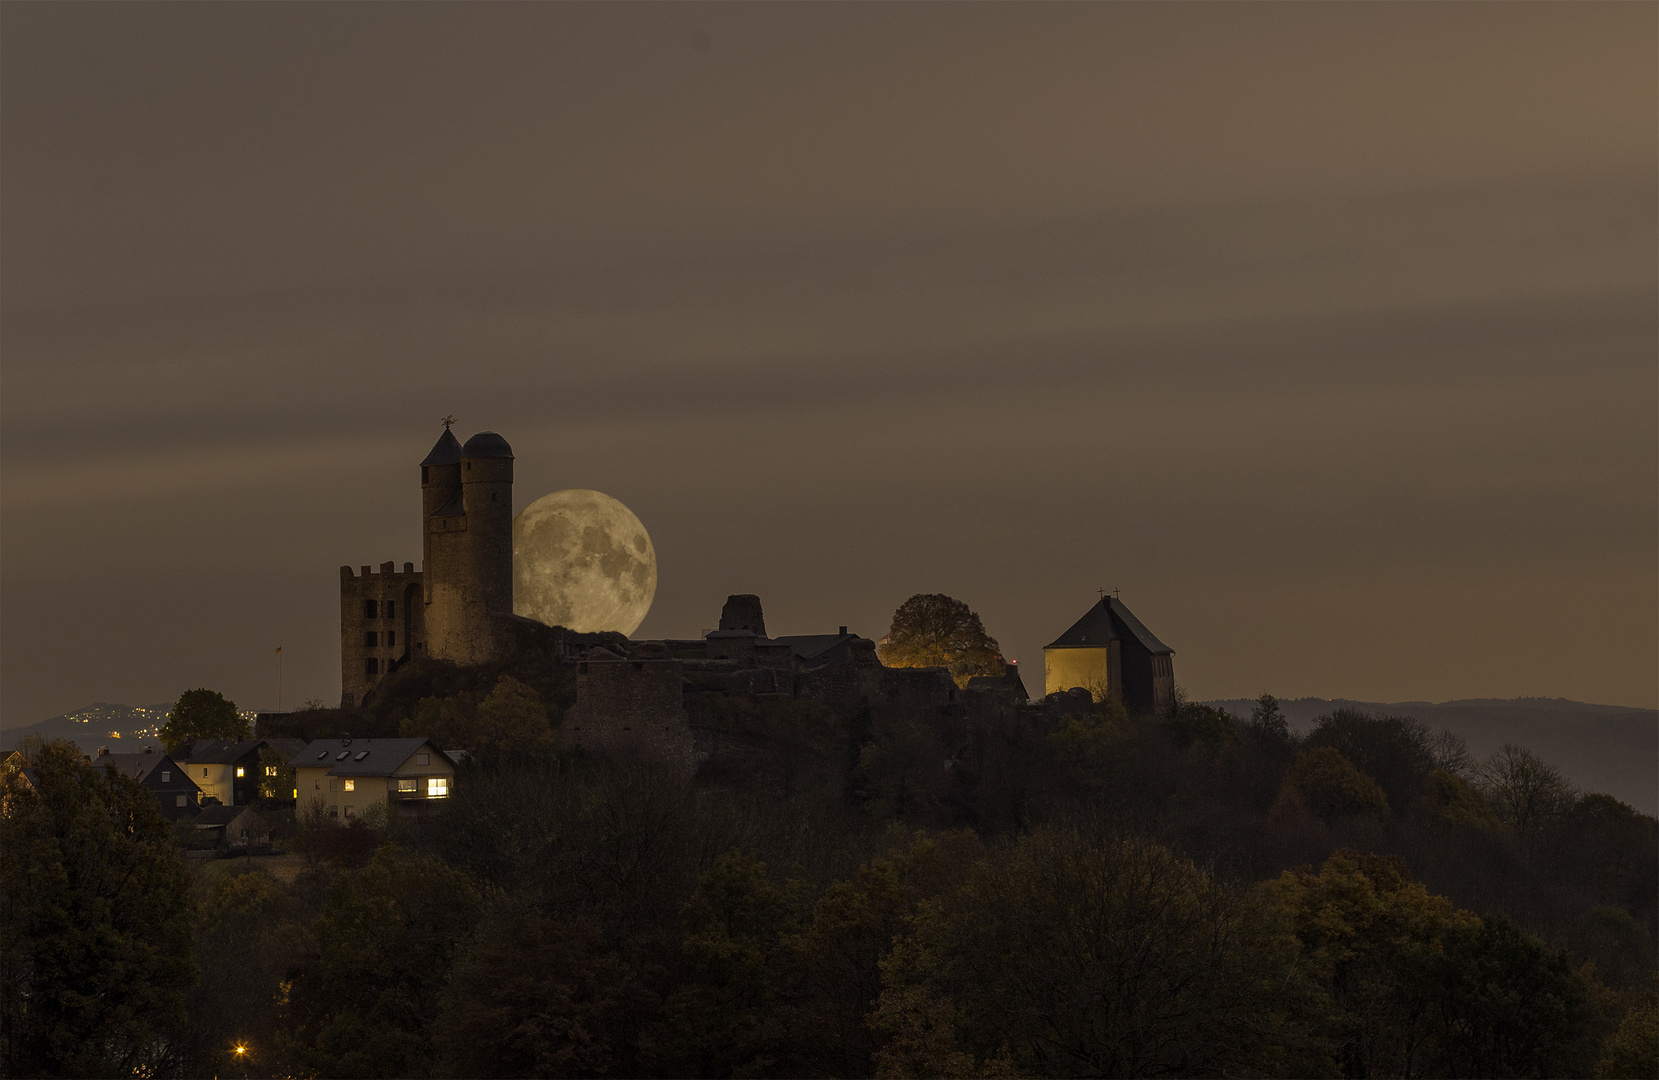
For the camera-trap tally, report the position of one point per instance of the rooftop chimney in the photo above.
(843, 631)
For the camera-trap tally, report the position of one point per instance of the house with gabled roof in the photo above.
(344, 778)
(179, 797)
(231, 770)
(1115, 657)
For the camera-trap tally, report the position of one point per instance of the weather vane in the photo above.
(446, 421)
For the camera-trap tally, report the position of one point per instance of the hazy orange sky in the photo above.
(1325, 332)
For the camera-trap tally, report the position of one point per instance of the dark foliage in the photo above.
(934, 630)
(972, 889)
(202, 714)
(96, 923)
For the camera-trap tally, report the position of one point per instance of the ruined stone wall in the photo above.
(382, 621)
(627, 704)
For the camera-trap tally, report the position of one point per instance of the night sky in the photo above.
(1326, 333)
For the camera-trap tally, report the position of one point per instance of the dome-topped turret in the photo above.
(486, 444)
(446, 451)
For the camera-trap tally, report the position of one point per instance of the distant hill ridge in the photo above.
(95, 725)
(1607, 748)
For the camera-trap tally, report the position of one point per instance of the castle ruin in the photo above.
(457, 606)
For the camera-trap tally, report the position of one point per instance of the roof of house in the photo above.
(215, 816)
(139, 766)
(1104, 622)
(286, 747)
(362, 757)
(217, 751)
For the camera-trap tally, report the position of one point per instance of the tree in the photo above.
(1395, 751)
(1527, 794)
(1360, 921)
(386, 941)
(95, 929)
(510, 720)
(934, 630)
(1328, 786)
(202, 714)
(1064, 955)
(249, 935)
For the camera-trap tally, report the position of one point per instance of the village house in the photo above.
(179, 796)
(344, 778)
(235, 826)
(232, 770)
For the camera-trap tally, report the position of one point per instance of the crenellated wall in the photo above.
(382, 623)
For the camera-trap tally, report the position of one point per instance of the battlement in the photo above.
(387, 571)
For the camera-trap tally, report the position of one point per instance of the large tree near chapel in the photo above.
(935, 630)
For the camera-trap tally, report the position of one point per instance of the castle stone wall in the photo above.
(382, 622)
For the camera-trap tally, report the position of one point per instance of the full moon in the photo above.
(583, 561)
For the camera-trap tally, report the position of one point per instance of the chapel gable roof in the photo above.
(1105, 622)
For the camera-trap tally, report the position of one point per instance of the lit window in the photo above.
(270, 770)
(437, 787)
(351, 785)
(410, 785)
(240, 772)
(296, 794)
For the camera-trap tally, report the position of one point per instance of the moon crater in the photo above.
(583, 561)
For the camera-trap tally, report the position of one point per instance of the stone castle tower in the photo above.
(449, 609)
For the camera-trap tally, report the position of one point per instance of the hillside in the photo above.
(96, 725)
(1608, 748)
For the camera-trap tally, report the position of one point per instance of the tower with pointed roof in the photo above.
(450, 608)
(1114, 656)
